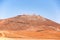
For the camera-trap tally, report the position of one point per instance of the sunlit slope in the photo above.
(29, 26)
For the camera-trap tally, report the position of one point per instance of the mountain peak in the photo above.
(32, 17)
(24, 22)
(29, 25)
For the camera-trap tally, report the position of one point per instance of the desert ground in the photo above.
(4, 38)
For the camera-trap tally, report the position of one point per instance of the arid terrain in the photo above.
(29, 27)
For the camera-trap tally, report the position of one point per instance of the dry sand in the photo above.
(24, 39)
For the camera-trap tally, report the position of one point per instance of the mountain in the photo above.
(29, 26)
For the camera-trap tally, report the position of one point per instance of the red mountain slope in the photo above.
(29, 26)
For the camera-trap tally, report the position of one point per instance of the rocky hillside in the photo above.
(28, 22)
(27, 26)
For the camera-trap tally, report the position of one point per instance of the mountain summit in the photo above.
(29, 23)
(25, 22)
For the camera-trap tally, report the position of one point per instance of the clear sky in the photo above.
(47, 8)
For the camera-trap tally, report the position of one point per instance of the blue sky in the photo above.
(47, 8)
